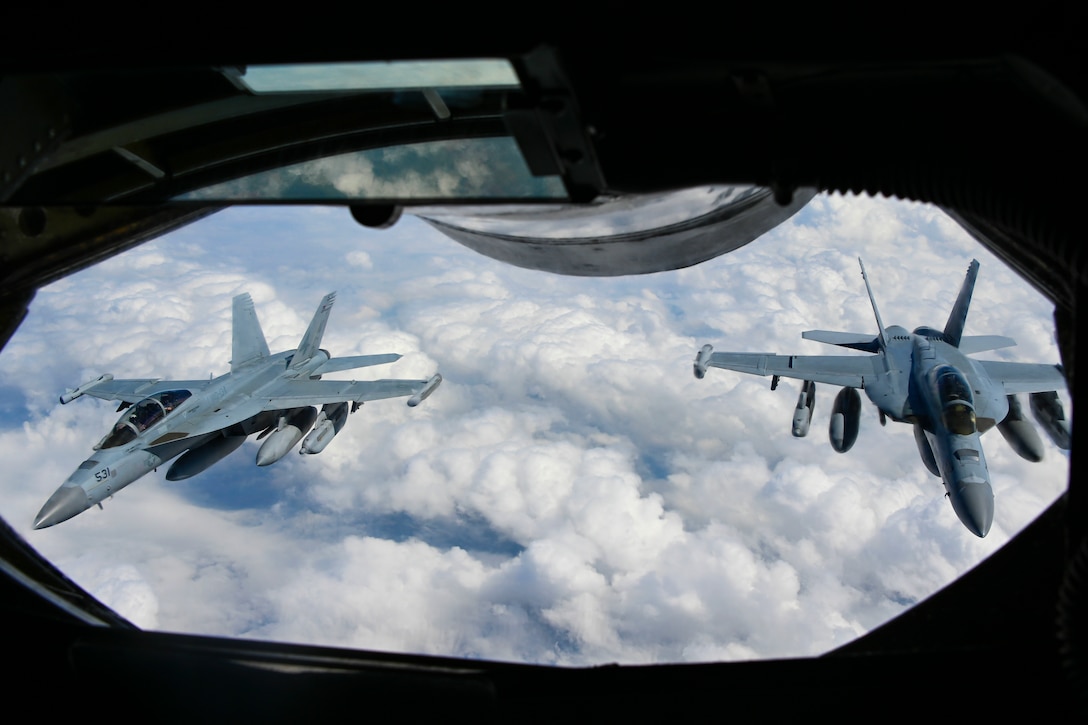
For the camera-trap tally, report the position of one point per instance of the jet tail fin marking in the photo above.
(872, 301)
(953, 329)
(311, 341)
(248, 343)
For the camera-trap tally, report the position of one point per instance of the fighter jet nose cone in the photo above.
(66, 502)
(976, 508)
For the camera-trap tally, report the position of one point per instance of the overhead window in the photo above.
(378, 76)
(468, 168)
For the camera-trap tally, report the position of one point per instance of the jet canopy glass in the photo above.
(142, 416)
(957, 402)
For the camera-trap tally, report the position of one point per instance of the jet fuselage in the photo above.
(932, 384)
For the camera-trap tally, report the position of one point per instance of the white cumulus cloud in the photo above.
(570, 494)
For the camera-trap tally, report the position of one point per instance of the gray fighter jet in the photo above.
(273, 395)
(923, 378)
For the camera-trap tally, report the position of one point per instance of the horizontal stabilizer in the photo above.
(982, 343)
(953, 329)
(337, 364)
(853, 340)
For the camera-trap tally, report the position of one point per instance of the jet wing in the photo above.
(298, 393)
(135, 390)
(845, 370)
(1024, 377)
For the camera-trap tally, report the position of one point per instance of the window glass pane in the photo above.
(451, 169)
(373, 76)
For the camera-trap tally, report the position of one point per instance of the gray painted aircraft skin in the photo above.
(924, 378)
(205, 420)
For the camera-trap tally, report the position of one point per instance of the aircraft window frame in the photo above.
(123, 432)
(952, 386)
(959, 418)
(178, 397)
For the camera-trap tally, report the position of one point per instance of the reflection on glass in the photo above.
(375, 76)
(605, 216)
(450, 169)
(614, 236)
(142, 416)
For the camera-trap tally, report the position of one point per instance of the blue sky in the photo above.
(571, 494)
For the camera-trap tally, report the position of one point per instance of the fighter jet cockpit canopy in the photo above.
(142, 416)
(957, 402)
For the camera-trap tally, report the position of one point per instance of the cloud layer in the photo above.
(571, 494)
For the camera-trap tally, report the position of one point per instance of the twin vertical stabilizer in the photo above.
(311, 341)
(876, 312)
(953, 329)
(248, 343)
